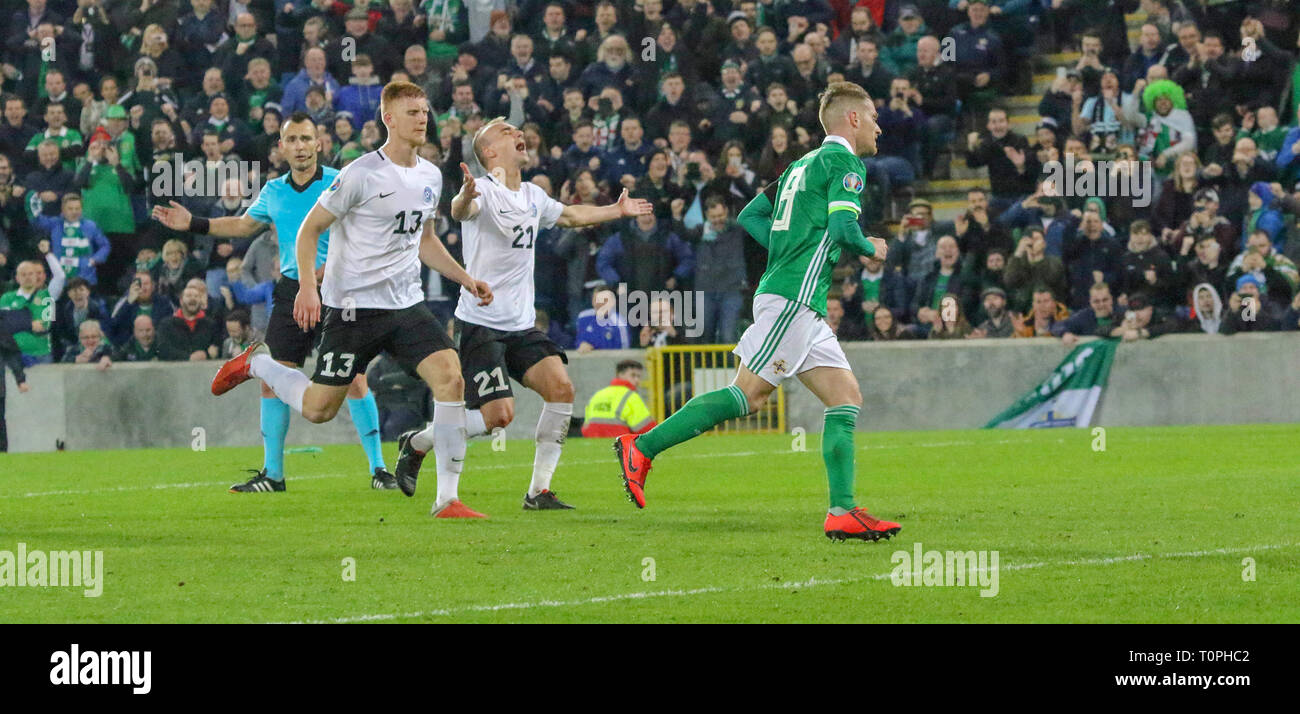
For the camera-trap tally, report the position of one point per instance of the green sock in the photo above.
(694, 418)
(837, 452)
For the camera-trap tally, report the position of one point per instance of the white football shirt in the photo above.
(499, 247)
(380, 210)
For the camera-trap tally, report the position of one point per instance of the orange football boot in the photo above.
(456, 509)
(635, 467)
(235, 371)
(859, 524)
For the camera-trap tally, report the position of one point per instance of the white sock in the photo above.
(474, 426)
(448, 448)
(552, 427)
(288, 383)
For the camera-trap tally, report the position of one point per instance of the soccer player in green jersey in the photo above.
(803, 220)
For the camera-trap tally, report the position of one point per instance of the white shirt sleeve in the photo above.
(345, 192)
(549, 209)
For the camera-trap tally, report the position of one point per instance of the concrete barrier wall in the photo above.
(1178, 379)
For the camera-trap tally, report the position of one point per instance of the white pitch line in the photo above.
(809, 583)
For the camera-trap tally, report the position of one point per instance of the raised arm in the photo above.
(179, 218)
(626, 207)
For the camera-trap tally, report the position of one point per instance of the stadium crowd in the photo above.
(113, 106)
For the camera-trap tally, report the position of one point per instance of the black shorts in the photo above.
(287, 341)
(347, 346)
(488, 356)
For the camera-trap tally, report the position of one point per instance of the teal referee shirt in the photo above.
(285, 204)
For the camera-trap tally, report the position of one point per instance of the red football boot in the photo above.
(859, 524)
(456, 509)
(235, 371)
(635, 467)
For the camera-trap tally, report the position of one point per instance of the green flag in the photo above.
(1069, 395)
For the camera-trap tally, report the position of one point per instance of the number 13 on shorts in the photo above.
(345, 359)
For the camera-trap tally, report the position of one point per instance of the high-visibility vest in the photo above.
(616, 410)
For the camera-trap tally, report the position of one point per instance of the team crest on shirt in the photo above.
(779, 366)
(532, 210)
(428, 194)
(853, 182)
(335, 186)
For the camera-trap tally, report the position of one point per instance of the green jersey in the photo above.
(41, 308)
(801, 253)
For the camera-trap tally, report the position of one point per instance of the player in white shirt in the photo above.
(500, 217)
(380, 212)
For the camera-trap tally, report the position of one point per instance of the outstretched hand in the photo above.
(628, 206)
(175, 217)
(468, 188)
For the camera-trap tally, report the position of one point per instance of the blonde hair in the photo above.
(175, 244)
(394, 91)
(836, 98)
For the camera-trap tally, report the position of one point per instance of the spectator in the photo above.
(1262, 216)
(1204, 221)
(1249, 310)
(1167, 128)
(312, 74)
(94, 348)
(46, 185)
(188, 334)
(76, 242)
(626, 163)
(949, 321)
(979, 58)
(175, 270)
(770, 66)
(1045, 313)
(1275, 272)
(1091, 257)
(70, 313)
(1031, 269)
(141, 346)
(1175, 204)
(1013, 169)
(868, 71)
(601, 327)
(846, 328)
(645, 255)
(361, 97)
(618, 409)
(660, 329)
(720, 256)
(944, 278)
(885, 328)
(32, 297)
(583, 152)
(1204, 266)
(998, 322)
(1208, 316)
(612, 68)
(777, 156)
(1145, 267)
(140, 299)
(239, 333)
(898, 150)
(933, 87)
(976, 233)
(1097, 319)
(66, 140)
(913, 251)
(875, 285)
(1261, 126)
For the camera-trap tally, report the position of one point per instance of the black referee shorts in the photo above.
(287, 341)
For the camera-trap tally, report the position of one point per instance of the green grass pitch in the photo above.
(1153, 529)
